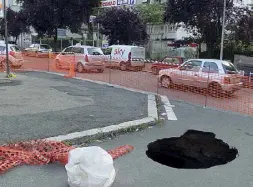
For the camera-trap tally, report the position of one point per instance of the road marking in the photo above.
(152, 116)
(168, 108)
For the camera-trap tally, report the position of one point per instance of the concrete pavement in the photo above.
(136, 169)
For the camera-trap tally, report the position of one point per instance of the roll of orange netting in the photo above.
(41, 152)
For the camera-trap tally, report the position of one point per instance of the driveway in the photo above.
(39, 105)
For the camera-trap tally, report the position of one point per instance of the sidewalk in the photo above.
(136, 169)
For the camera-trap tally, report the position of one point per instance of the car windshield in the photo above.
(95, 51)
(15, 48)
(229, 67)
(44, 47)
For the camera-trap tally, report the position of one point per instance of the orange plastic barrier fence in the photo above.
(41, 152)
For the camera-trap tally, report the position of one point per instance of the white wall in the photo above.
(164, 31)
(182, 33)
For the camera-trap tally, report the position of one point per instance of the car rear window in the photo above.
(229, 67)
(95, 51)
(15, 48)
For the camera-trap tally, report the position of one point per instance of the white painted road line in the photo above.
(152, 112)
(168, 108)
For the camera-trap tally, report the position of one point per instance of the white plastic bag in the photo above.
(90, 167)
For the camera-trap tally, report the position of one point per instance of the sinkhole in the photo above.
(193, 150)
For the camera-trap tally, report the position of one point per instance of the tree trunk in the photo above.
(210, 46)
(55, 40)
(90, 33)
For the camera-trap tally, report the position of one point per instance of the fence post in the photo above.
(207, 87)
(110, 69)
(48, 62)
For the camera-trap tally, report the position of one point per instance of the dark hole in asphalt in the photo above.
(192, 150)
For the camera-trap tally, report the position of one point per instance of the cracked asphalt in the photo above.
(40, 105)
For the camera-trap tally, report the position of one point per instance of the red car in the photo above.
(167, 62)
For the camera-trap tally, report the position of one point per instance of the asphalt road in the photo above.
(136, 169)
(39, 105)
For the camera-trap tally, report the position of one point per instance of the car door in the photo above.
(166, 63)
(65, 57)
(190, 72)
(30, 49)
(209, 70)
(107, 56)
(120, 54)
(78, 55)
(95, 55)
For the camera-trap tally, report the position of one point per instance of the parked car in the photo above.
(38, 50)
(85, 58)
(126, 57)
(216, 76)
(15, 55)
(166, 63)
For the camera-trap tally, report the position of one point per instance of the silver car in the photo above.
(215, 75)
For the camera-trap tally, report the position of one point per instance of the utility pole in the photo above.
(6, 40)
(98, 33)
(223, 30)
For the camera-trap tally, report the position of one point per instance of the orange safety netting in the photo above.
(41, 152)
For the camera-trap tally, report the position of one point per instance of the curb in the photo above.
(97, 133)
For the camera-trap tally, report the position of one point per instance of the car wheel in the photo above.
(215, 90)
(58, 64)
(100, 70)
(155, 70)
(79, 68)
(230, 93)
(166, 82)
(123, 66)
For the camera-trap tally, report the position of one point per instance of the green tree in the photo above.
(151, 13)
(45, 16)
(16, 24)
(123, 26)
(244, 29)
(202, 17)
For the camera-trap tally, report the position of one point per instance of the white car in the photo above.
(38, 50)
(126, 57)
(15, 55)
(215, 75)
(85, 58)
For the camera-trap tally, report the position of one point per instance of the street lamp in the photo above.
(223, 30)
